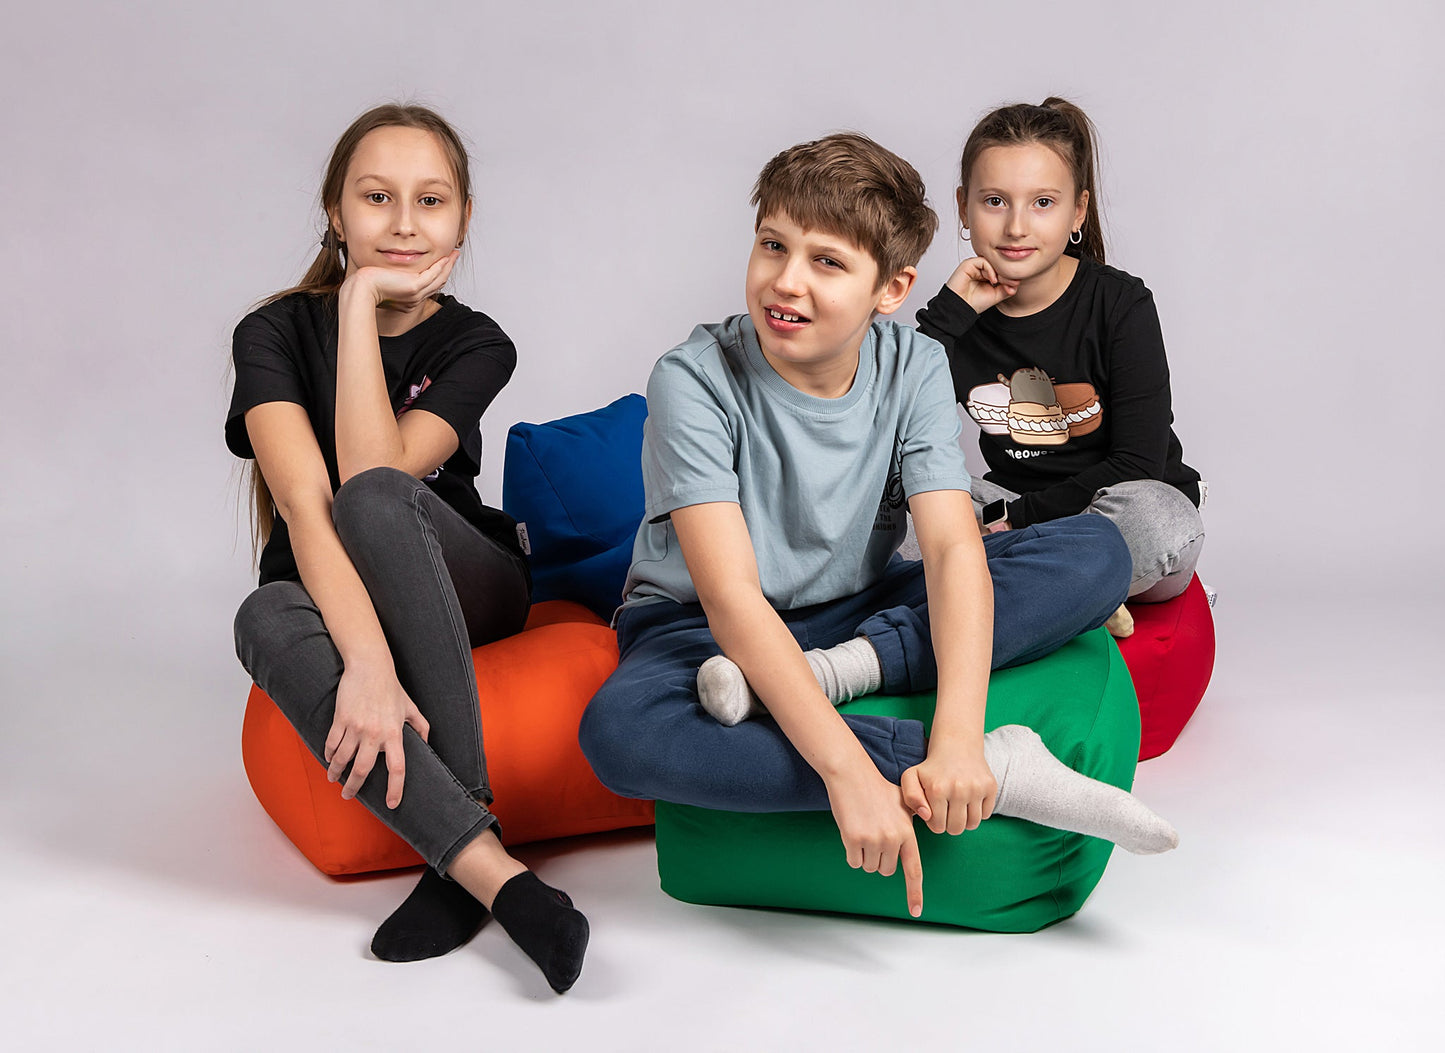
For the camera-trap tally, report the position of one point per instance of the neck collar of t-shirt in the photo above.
(813, 405)
(416, 332)
(1039, 319)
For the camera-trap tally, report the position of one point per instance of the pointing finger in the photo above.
(912, 874)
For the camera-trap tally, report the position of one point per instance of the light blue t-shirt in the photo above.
(821, 482)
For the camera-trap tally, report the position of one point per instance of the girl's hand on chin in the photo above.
(978, 285)
(404, 290)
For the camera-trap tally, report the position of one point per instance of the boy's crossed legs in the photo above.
(647, 735)
(1051, 582)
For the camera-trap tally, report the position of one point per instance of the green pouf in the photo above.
(1007, 876)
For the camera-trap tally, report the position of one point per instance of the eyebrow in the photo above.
(1036, 191)
(826, 249)
(434, 181)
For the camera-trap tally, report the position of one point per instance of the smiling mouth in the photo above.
(784, 316)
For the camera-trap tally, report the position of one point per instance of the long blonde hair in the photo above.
(328, 269)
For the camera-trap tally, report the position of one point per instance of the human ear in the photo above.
(961, 197)
(466, 222)
(1081, 212)
(333, 215)
(896, 290)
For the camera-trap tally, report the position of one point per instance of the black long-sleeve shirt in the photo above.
(1071, 399)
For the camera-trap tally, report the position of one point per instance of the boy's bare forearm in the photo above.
(720, 559)
(960, 608)
(960, 605)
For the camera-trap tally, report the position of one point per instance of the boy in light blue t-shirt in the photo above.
(780, 452)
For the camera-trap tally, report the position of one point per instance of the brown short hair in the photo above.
(846, 184)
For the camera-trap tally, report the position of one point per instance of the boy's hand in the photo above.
(953, 790)
(877, 830)
(978, 285)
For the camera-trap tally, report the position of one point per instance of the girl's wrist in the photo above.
(365, 653)
(357, 289)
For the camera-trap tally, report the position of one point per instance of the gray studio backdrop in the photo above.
(1271, 171)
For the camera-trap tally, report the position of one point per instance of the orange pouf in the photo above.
(532, 688)
(1170, 658)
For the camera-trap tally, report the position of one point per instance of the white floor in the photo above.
(150, 904)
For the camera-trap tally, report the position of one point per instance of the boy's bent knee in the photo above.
(606, 744)
(1108, 560)
(1097, 554)
(624, 754)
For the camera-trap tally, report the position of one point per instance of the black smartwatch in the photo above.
(994, 513)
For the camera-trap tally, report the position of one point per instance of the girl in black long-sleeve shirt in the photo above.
(1058, 357)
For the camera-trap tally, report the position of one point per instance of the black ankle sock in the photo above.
(439, 916)
(542, 921)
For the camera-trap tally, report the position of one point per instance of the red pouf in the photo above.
(1170, 657)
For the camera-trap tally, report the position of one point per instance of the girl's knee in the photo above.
(262, 622)
(1150, 513)
(370, 493)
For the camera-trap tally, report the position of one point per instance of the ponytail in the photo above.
(1085, 168)
(1063, 128)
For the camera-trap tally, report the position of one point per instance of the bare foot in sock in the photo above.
(542, 921)
(843, 672)
(724, 692)
(439, 916)
(1120, 623)
(1035, 785)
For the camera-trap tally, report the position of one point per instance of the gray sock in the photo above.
(847, 671)
(1035, 785)
(843, 672)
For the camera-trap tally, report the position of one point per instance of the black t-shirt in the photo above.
(1069, 400)
(452, 364)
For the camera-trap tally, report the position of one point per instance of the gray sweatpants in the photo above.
(1161, 526)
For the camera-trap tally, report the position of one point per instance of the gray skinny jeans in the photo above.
(440, 587)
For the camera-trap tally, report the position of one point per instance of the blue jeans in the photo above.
(440, 587)
(646, 735)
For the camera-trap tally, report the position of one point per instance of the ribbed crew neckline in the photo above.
(812, 404)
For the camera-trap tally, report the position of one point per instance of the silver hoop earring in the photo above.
(963, 233)
(1076, 237)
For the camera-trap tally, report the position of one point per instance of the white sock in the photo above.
(1035, 785)
(843, 672)
(724, 692)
